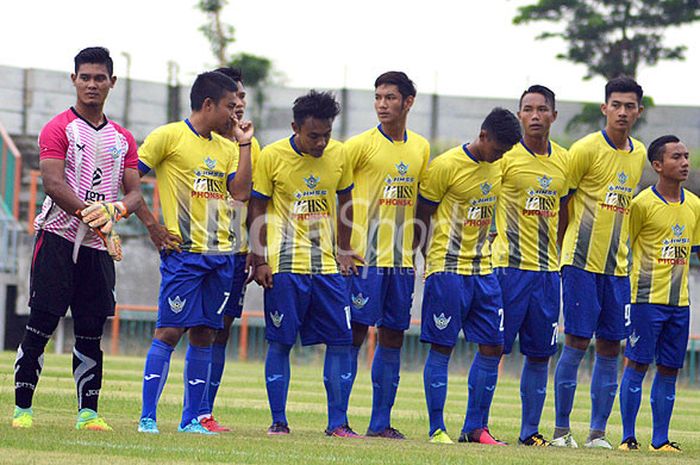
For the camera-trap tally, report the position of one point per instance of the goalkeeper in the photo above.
(84, 159)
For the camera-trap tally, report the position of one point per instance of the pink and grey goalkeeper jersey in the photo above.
(95, 159)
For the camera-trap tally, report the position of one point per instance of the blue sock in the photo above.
(603, 390)
(354, 354)
(483, 376)
(565, 384)
(435, 387)
(630, 400)
(218, 359)
(277, 380)
(663, 395)
(385, 382)
(197, 372)
(337, 378)
(533, 391)
(155, 374)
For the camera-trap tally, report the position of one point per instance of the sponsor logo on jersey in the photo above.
(91, 195)
(675, 250)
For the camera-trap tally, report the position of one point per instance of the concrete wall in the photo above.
(29, 98)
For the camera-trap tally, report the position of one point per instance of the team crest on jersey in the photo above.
(633, 338)
(277, 318)
(116, 152)
(177, 304)
(359, 301)
(622, 177)
(211, 164)
(402, 168)
(544, 181)
(486, 188)
(678, 230)
(312, 181)
(441, 321)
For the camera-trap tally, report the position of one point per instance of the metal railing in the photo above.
(10, 173)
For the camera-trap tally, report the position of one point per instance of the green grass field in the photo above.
(242, 404)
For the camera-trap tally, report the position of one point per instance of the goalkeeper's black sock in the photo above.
(30, 355)
(87, 362)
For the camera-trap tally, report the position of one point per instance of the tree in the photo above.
(256, 69)
(612, 37)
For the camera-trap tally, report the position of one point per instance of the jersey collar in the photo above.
(189, 125)
(549, 147)
(611, 144)
(469, 154)
(294, 146)
(405, 134)
(658, 194)
(96, 128)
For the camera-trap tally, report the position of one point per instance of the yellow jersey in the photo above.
(239, 210)
(596, 239)
(662, 235)
(464, 191)
(301, 213)
(527, 214)
(192, 174)
(386, 174)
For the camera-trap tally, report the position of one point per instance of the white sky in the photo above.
(449, 46)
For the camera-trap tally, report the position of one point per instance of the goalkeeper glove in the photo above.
(103, 215)
(113, 243)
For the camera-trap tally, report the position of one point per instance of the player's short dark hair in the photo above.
(656, 149)
(319, 105)
(623, 84)
(400, 80)
(94, 55)
(503, 126)
(234, 73)
(546, 92)
(211, 85)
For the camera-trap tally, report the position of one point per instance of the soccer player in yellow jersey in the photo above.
(525, 251)
(293, 227)
(604, 169)
(458, 196)
(195, 168)
(387, 163)
(664, 231)
(234, 304)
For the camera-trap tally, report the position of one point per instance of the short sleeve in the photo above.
(53, 142)
(355, 153)
(696, 231)
(426, 160)
(262, 175)
(345, 184)
(131, 160)
(434, 183)
(153, 150)
(578, 161)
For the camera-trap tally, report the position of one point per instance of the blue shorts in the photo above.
(234, 305)
(658, 332)
(382, 296)
(531, 310)
(595, 304)
(193, 289)
(317, 307)
(454, 302)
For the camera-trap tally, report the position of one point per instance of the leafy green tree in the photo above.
(612, 37)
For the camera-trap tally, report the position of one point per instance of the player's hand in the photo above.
(113, 243)
(249, 269)
(263, 275)
(243, 131)
(103, 215)
(163, 239)
(347, 261)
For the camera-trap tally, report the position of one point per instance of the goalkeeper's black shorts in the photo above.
(56, 283)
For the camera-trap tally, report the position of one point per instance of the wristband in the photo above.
(245, 145)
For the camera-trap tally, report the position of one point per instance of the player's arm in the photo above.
(262, 273)
(55, 186)
(241, 184)
(424, 213)
(563, 219)
(346, 256)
